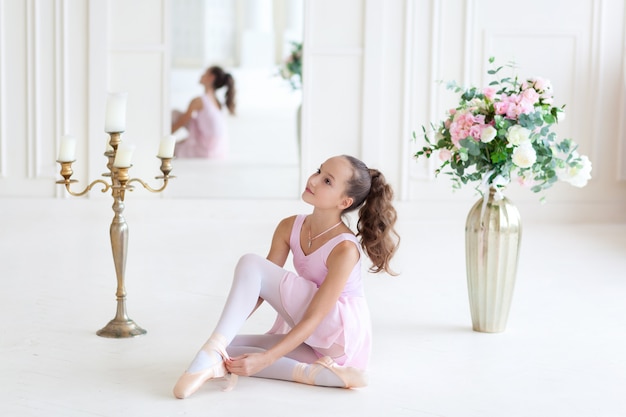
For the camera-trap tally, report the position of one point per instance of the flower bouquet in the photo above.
(291, 68)
(502, 133)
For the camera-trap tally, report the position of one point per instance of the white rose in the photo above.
(524, 156)
(478, 104)
(488, 134)
(518, 135)
(577, 176)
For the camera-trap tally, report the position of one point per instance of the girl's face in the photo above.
(207, 78)
(326, 187)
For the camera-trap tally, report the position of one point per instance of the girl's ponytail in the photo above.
(230, 92)
(377, 216)
(225, 79)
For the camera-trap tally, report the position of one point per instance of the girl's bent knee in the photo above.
(248, 263)
(250, 259)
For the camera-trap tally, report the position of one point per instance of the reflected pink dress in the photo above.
(348, 324)
(207, 134)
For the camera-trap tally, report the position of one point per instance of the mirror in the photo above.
(251, 40)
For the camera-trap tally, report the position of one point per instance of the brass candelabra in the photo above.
(121, 326)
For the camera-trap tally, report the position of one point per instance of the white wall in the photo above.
(370, 67)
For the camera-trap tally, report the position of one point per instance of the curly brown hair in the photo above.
(225, 79)
(373, 197)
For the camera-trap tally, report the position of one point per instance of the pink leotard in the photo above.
(348, 323)
(207, 134)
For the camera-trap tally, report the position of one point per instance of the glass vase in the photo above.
(493, 234)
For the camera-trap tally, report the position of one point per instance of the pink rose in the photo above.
(530, 96)
(444, 154)
(489, 92)
(513, 111)
(475, 131)
(460, 126)
(501, 107)
(525, 107)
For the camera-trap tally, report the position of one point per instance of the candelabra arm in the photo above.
(166, 168)
(67, 172)
(147, 187)
(67, 183)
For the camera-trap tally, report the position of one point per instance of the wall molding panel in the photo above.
(419, 97)
(3, 147)
(621, 133)
(373, 69)
(32, 121)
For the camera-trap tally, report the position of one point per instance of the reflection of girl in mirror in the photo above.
(322, 334)
(204, 118)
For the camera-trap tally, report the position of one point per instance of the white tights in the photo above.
(257, 277)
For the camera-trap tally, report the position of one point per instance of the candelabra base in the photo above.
(119, 329)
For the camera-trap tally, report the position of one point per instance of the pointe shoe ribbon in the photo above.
(189, 383)
(351, 377)
(301, 375)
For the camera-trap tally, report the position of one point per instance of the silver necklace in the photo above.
(311, 239)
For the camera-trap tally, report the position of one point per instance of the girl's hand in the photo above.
(248, 364)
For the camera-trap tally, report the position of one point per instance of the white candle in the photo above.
(67, 151)
(124, 155)
(166, 149)
(115, 120)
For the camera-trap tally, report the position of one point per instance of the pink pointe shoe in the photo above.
(189, 383)
(351, 377)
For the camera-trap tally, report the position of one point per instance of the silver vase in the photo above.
(493, 233)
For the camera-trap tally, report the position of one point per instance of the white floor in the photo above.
(563, 353)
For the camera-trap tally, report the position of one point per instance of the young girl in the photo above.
(205, 120)
(322, 332)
